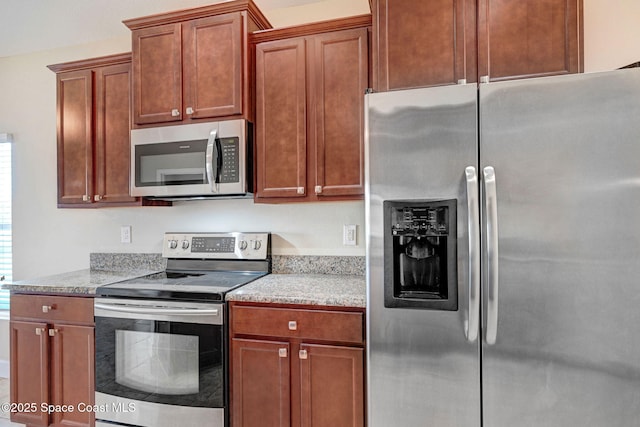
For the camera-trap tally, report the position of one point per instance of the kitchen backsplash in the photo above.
(281, 264)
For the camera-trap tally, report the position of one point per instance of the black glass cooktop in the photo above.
(181, 285)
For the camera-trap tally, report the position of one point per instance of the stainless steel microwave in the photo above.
(200, 160)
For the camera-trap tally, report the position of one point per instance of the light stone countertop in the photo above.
(82, 282)
(307, 280)
(304, 289)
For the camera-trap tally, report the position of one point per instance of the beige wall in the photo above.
(611, 34)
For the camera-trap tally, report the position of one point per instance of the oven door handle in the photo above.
(157, 310)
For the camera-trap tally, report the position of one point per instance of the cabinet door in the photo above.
(331, 386)
(423, 43)
(157, 74)
(29, 371)
(529, 38)
(75, 136)
(260, 390)
(338, 68)
(213, 66)
(72, 373)
(281, 144)
(112, 148)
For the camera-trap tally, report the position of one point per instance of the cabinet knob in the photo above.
(175, 112)
(47, 308)
(293, 325)
(189, 110)
(53, 332)
(300, 190)
(318, 189)
(282, 352)
(303, 354)
(86, 198)
(40, 331)
(97, 197)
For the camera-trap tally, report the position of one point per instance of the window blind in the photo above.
(5, 221)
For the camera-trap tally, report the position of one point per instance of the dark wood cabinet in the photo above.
(293, 366)
(437, 42)
(194, 64)
(52, 359)
(261, 383)
(532, 38)
(310, 85)
(424, 43)
(93, 119)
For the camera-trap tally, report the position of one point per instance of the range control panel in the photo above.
(234, 245)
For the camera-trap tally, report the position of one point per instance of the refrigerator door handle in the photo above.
(472, 324)
(492, 253)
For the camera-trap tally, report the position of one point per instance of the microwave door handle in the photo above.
(212, 147)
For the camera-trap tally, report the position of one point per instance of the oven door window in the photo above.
(159, 361)
(173, 163)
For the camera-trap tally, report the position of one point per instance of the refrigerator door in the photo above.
(565, 153)
(423, 365)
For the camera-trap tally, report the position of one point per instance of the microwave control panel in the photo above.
(230, 171)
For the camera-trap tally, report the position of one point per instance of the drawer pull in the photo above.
(282, 352)
(53, 332)
(303, 354)
(40, 331)
(293, 325)
(47, 308)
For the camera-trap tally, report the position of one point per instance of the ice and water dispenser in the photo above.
(420, 254)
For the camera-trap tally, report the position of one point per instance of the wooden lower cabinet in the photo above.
(261, 383)
(287, 369)
(52, 360)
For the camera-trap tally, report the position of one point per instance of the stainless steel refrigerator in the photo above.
(503, 253)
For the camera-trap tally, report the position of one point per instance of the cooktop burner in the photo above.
(200, 266)
(172, 285)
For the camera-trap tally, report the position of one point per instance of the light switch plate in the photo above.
(349, 234)
(125, 234)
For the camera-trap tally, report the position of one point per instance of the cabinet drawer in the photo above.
(338, 326)
(52, 309)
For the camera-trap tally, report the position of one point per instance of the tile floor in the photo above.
(4, 398)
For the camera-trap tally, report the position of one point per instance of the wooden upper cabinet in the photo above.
(339, 67)
(310, 85)
(440, 42)
(113, 123)
(529, 38)
(157, 71)
(423, 43)
(75, 136)
(281, 132)
(94, 120)
(194, 64)
(213, 66)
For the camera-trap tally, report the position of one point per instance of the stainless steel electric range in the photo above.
(161, 339)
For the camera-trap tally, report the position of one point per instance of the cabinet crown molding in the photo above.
(201, 12)
(86, 64)
(319, 27)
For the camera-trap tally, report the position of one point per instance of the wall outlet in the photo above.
(125, 234)
(349, 234)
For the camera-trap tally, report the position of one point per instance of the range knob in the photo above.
(257, 244)
(185, 244)
(172, 244)
(242, 245)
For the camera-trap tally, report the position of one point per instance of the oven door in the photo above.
(160, 363)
